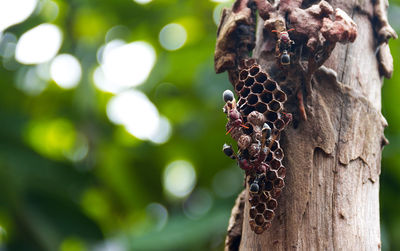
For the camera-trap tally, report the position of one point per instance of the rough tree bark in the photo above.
(333, 154)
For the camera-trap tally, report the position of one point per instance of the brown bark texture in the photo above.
(333, 145)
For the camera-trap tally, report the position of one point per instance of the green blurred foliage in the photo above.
(72, 180)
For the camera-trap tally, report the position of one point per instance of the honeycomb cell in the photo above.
(244, 92)
(254, 70)
(239, 86)
(278, 154)
(261, 77)
(270, 85)
(269, 157)
(282, 172)
(268, 186)
(252, 99)
(257, 88)
(279, 124)
(274, 146)
(264, 197)
(253, 212)
(258, 230)
(280, 96)
(275, 164)
(276, 192)
(267, 225)
(260, 207)
(248, 109)
(272, 175)
(266, 97)
(279, 183)
(254, 200)
(252, 224)
(274, 106)
(259, 219)
(271, 204)
(261, 107)
(272, 116)
(249, 81)
(243, 74)
(241, 101)
(268, 215)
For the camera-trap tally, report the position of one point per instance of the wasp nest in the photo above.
(256, 122)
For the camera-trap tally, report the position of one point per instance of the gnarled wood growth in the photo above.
(333, 146)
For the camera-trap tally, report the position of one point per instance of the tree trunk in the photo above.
(333, 148)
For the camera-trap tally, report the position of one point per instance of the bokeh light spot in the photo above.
(56, 139)
(15, 11)
(198, 203)
(39, 44)
(172, 36)
(142, 1)
(124, 65)
(179, 178)
(158, 215)
(139, 116)
(66, 71)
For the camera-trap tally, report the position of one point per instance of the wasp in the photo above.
(234, 117)
(283, 46)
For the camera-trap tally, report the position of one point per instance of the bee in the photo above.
(283, 46)
(234, 117)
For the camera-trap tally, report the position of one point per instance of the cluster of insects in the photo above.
(255, 121)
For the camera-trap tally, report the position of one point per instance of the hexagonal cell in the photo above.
(278, 154)
(249, 128)
(272, 175)
(261, 107)
(269, 157)
(243, 74)
(280, 96)
(267, 225)
(254, 70)
(259, 219)
(239, 86)
(272, 116)
(254, 200)
(249, 81)
(275, 164)
(260, 207)
(258, 230)
(282, 172)
(271, 204)
(276, 192)
(252, 99)
(274, 105)
(268, 186)
(252, 224)
(253, 212)
(279, 183)
(270, 85)
(244, 92)
(268, 214)
(274, 146)
(248, 109)
(266, 97)
(257, 88)
(261, 77)
(264, 197)
(279, 124)
(241, 101)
